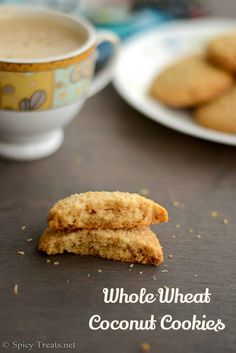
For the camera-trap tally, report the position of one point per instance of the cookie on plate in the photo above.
(105, 210)
(189, 82)
(222, 51)
(129, 245)
(219, 114)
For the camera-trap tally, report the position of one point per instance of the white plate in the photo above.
(143, 56)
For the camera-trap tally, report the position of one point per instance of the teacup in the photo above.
(38, 97)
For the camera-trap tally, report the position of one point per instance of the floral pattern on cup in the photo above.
(36, 101)
(30, 91)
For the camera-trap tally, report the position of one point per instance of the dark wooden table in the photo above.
(112, 147)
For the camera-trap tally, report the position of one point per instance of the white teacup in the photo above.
(40, 96)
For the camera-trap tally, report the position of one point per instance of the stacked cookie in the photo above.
(220, 114)
(205, 83)
(112, 225)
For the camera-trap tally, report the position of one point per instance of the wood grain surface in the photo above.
(112, 147)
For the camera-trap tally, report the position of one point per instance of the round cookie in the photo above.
(190, 82)
(219, 114)
(222, 51)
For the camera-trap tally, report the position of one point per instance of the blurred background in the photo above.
(127, 17)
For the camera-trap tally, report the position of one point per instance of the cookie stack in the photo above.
(205, 83)
(112, 225)
(220, 114)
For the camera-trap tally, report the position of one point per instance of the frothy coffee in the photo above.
(36, 38)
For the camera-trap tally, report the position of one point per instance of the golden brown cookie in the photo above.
(220, 114)
(222, 51)
(190, 82)
(128, 245)
(105, 210)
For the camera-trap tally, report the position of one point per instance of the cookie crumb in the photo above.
(15, 289)
(225, 221)
(214, 214)
(154, 278)
(195, 275)
(88, 274)
(23, 227)
(164, 271)
(177, 225)
(144, 192)
(173, 236)
(129, 269)
(140, 272)
(29, 239)
(56, 263)
(199, 236)
(67, 281)
(177, 204)
(131, 265)
(48, 261)
(190, 230)
(21, 253)
(170, 256)
(100, 271)
(145, 347)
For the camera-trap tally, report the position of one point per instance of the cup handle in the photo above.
(104, 75)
